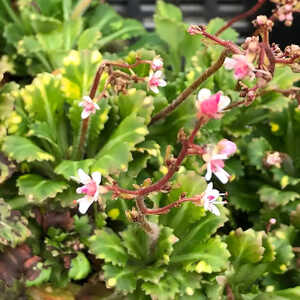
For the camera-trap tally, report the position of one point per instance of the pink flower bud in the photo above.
(193, 30)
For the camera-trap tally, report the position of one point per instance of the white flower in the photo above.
(91, 188)
(155, 80)
(210, 198)
(89, 107)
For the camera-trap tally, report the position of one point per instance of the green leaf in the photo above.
(123, 279)
(44, 276)
(80, 267)
(116, 153)
(167, 288)
(22, 149)
(295, 217)
(98, 121)
(42, 131)
(256, 151)
(275, 102)
(135, 101)
(164, 245)
(242, 194)
(44, 24)
(13, 227)
(43, 99)
(229, 34)
(37, 189)
(288, 294)
(284, 180)
(82, 226)
(283, 249)
(105, 244)
(211, 256)
(137, 242)
(151, 273)
(275, 197)
(88, 38)
(245, 246)
(167, 10)
(198, 233)
(69, 168)
(283, 78)
(79, 70)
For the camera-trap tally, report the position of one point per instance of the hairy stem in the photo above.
(165, 209)
(244, 15)
(189, 90)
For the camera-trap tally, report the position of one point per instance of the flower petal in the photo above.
(158, 74)
(204, 94)
(85, 114)
(162, 83)
(208, 172)
(97, 177)
(222, 175)
(87, 98)
(79, 190)
(84, 204)
(83, 177)
(223, 103)
(215, 210)
(229, 63)
(154, 89)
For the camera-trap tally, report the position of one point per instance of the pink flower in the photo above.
(210, 198)
(157, 63)
(214, 157)
(241, 65)
(211, 105)
(91, 188)
(89, 107)
(155, 80)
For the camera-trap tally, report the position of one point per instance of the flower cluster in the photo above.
(155, 78)
(284, 11)
(214, 157)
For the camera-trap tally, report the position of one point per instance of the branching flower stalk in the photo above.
(189, 90)
(108, 67)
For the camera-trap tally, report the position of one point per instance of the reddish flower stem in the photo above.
(189, 90)
(165, 209)
(244, 15)
(160, 184)
(226, 44)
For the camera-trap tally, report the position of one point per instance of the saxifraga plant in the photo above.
(153, 222)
